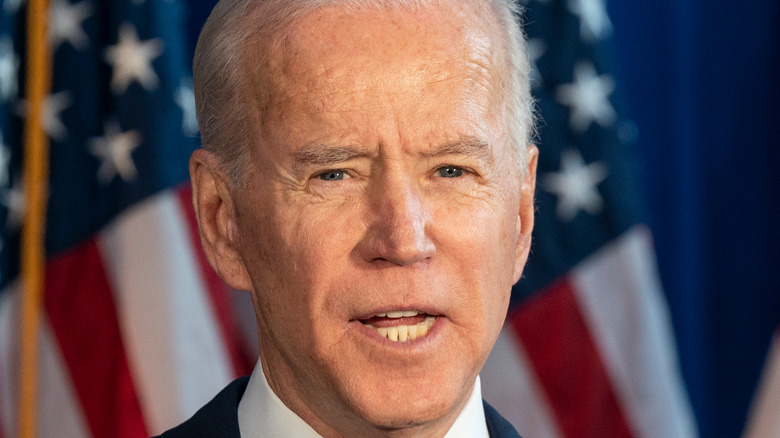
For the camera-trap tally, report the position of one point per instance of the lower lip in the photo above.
(413, 343)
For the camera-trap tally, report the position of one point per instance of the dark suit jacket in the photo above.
(219, 417)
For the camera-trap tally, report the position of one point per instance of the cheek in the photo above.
(484, 227)
(311, 248)
(285, 255)
(479, 239)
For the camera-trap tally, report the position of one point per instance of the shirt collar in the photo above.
(262, 413)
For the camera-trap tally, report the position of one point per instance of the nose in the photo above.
(398, 224)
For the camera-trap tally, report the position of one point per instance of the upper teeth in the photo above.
(399, 314)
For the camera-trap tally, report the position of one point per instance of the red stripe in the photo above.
(568, 365)
(219, 294)
(80, 307)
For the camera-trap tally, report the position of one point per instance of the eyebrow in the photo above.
(466, 146)
(317, 154)
(321, 155)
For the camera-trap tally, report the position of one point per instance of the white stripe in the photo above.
(621, 299)
(176, 355)
(509, 384)
(764, 421)
(9, 355)
(58, 410)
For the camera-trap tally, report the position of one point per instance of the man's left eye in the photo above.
(450, 172)
(333, 175)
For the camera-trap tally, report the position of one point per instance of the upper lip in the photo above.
(423, 310)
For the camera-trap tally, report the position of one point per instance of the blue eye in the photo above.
(450, 172)
(333, 175)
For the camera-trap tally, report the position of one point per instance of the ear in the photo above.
(215, 212)
(525, 223)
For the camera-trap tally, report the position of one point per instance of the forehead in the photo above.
(356, 64)
(459, 37)
(451, 29)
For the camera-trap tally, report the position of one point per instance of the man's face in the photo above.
(381, 185)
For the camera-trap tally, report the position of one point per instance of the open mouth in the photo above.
(401, 325)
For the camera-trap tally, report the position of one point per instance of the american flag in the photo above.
(587, 350)
(138, 332)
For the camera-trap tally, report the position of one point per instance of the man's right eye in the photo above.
(333, 175)
(450, 172)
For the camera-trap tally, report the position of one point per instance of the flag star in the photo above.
(588, 98)
(9, 66)
(14, 200)
(66, 21)
(53, 106)
(575, 185)
(132, 59)
(5, 162)
(594, 21)
(52, 115)
(535, 50)
(11, 6)
(115, 150)
(185, 98)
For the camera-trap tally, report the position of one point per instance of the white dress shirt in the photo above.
(262, 415)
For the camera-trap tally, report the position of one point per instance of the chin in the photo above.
(398, 403)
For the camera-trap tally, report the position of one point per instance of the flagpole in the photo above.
(36, 176)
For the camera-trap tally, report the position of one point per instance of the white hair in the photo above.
(223, 98)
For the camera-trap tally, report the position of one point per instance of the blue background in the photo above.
(701, 79)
